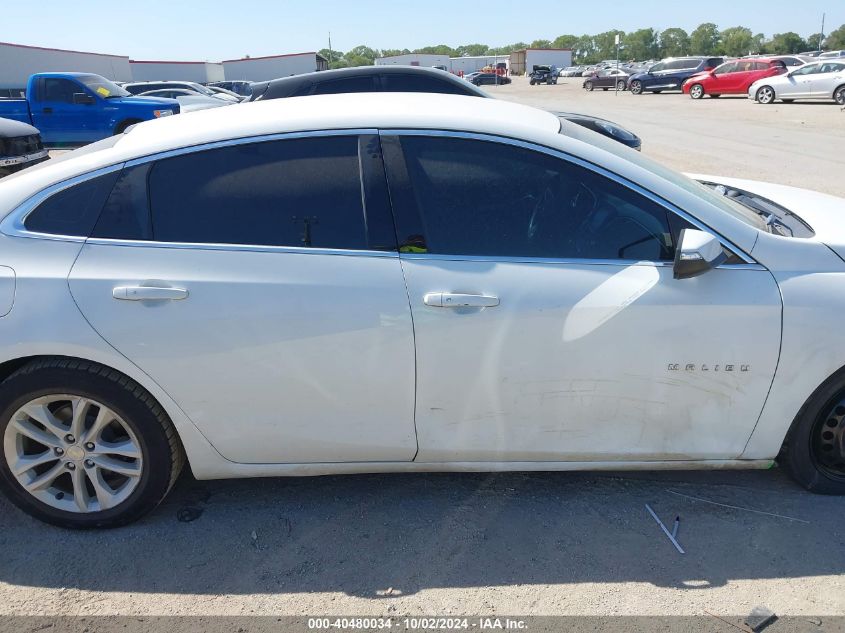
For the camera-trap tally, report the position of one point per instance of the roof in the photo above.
(146, 61)
(251, 59)
(60, 50)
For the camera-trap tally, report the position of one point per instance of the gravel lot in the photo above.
(562, 543)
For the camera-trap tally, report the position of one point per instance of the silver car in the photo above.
(823, 79)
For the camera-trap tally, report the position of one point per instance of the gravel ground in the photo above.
(541, 544)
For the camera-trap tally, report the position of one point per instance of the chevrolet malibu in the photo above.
(393, 282)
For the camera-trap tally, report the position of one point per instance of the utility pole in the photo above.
(822, 34)
(616, 79)
(331, 55)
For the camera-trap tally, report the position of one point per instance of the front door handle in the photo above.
(455, 300)
(149, 293)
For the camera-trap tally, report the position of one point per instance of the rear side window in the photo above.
(412, 83)
(126, 213)
(299, 192)
(482, 198)
(72, 211)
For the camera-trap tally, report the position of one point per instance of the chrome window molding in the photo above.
(505, 140)
(14, 224)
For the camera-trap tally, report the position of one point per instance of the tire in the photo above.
(588, 85)
(636, 87)
(839, 95)
(765, 95)
(621, 85)
(133, 421)
(121, 127)
(532, 82)
(696, 91)
(814, 450)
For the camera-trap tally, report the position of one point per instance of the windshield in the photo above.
(688, 184)
(102, 87)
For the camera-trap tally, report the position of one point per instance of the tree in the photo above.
(737, 41)
(761, 44)
(566, 41)
(360, 56)
(541, 44)
(440, 49)
(787, 43)
(585, 50)
(472, 50)
(510, 48)
(705, 39)
(836, 39)
(674, 42)
(641, 45)
(814, 42)
(605, 44)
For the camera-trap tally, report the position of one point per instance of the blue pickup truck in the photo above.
(78, 108)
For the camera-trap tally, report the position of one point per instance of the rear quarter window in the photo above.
(72, 211)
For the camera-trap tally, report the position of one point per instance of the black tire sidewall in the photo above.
(156, 452)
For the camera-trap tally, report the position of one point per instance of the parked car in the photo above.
(732, 78)
(791, 60)
(242, 88)
(140, 87)
(409, 79)
(222, 91)
(571, 71)
(77, 108)
(12, 93)
(607, 79)
(670, 74)
(490, 79)
(823, 79)
(830, 54)
(189, 101)
(20, 147)
(343, 246)
(543, 75)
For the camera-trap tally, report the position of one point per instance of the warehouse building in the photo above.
(18, 62)
(523, 61)
(466, 65)
(201, 72)
(273, 66)
(415, 59)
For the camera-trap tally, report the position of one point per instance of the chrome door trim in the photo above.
(586, 165)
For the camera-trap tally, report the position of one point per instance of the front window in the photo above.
(724, 69)
(809, 69)
(102, 87)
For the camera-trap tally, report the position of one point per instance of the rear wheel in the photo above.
(621, 85)
(696, 91)
(765, 95)
(532, 82)
(814, 451)
(588, 86)
(83, 445)
(636, 87)
(839, 95)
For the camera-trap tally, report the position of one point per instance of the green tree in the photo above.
(585, 50)
(360, 56)
(510, 48)
(737, 41)
(705, 39)
(836, 39)
(440, 49)
(787, 43)
(472, 50)
(814, 42)
(761, 44)
(541, 44)
(674, 42)
(640, 45)
(605, 44)
(566, 41)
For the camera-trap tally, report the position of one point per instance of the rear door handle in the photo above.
(454, 300)
(149, 293)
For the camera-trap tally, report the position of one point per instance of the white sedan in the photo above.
(392, 282)
(823, 79)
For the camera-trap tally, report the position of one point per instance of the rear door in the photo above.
(259, 285)
(830, 76)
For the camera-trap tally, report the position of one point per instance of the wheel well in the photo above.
(837, 89)
(121, 127)
(836, 377)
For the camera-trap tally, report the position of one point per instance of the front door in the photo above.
(258, 287)
(548, 324)
(56, 115)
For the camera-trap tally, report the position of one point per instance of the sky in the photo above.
(214, 30)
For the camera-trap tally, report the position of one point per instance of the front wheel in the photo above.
(621, 85)
(839, 95)
(696, 91)
(765, 95)
(532, 82)
(814, 451)
(636, 87)
(589, 86)
(83, 445)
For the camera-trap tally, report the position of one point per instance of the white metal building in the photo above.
(201, 72)
(523, 61)
(467, 65)
(273, 66)
(18, 62)
(415, 59)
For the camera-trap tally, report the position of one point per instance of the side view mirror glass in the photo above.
(697, 252)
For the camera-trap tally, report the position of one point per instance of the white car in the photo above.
(823, 79)
(391, 282)
(189, 101)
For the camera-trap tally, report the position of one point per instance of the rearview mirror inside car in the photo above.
(697, 252)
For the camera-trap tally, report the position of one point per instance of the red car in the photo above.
(732, 78)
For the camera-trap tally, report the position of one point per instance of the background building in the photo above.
(201, 72)
(415, 59)
(524, 61)
(18, 62)
(467, 65)
(273, 66)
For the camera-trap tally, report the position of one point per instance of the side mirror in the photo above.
(82, 98)
(697, 252)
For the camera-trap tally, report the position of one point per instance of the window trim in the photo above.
(750, 263)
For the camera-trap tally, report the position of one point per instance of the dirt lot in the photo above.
(484, 544)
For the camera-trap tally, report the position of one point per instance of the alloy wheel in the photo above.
(696, 92)
(828, 441)
(636, 87)
(839, 97)
(765, 95)
(73, 453)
